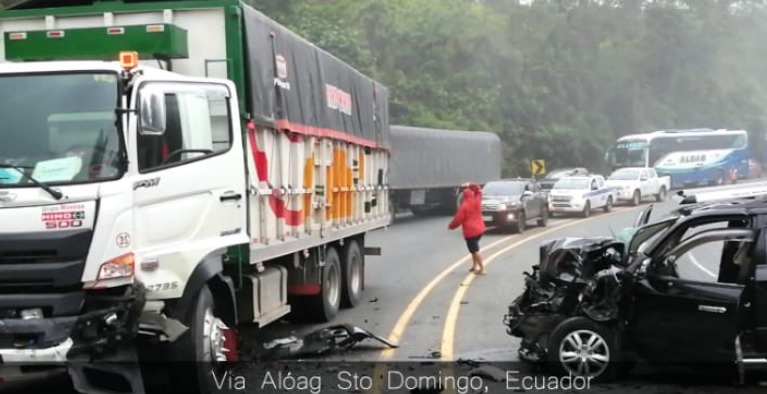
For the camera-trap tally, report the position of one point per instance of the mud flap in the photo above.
(99, 378)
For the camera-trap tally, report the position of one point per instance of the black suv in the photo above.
(510, 203)
(594, 306)
(548, 182)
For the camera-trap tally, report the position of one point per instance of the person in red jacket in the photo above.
(469, 218)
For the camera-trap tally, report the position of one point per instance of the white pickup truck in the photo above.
(636, 183)
(581, 194)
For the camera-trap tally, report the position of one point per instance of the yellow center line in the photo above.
(451, 320)
(404, 319)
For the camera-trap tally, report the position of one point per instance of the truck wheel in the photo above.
(586, 210)
(324, 307)
(521, 222)
(609, 206)
(582, 347)
(661, 196)
(637, 198)
(544, 219)
(199, 353)
(392, 212)
(353, 269)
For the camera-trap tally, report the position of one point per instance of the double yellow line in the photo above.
(451, 320)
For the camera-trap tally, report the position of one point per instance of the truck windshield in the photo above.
(572, 183)
(59, 128)
(626, 174)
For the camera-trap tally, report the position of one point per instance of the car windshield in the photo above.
(626, 174)
(572, 183)
(59, 128)
(503, 188)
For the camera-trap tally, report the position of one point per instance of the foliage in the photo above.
(558, 79)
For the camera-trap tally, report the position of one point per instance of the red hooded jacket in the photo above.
(469, 215)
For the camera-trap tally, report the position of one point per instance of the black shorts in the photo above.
(473, 244)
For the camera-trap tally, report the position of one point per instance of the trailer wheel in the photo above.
(324, 307)
(199, 354)
(353, 269)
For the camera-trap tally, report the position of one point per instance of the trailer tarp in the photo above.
(424, 158)
(297, 86)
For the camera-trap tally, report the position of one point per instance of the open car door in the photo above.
(687, 320)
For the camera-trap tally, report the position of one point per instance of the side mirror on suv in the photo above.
(526, 193)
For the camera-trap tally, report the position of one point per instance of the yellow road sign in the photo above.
(538, 167)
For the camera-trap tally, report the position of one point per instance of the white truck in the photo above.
(637, 183)
(581, 194)
(223, 172)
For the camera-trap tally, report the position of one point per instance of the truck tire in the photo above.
(323, 307)
(602, 356)
(636, 199)
(661, 196)
(353, 269)
(195, 356)
(586, 210)
(392, 211)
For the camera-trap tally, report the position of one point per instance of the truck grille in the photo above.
(43, 262)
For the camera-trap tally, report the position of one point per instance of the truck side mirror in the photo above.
(152, 112)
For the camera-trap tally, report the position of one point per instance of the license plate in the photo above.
(487, 218)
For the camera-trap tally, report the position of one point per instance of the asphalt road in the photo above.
(420, 295)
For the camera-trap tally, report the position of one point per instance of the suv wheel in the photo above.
(582, 347)
(521, 222)
(544, 219)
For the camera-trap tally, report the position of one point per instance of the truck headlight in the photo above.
(118, 267)
(504, 207)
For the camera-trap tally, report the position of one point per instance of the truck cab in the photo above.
(158, 189)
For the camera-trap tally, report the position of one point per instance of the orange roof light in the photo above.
(128, 59)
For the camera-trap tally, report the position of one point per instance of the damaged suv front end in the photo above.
(577, 276)
(575, 300)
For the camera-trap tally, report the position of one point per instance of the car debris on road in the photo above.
(321, 342)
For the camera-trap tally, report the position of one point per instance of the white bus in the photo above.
(689, 157)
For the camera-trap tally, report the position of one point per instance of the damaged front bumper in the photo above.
(576, 276)
(110, 321)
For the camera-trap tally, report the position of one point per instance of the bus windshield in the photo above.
(628, 153)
